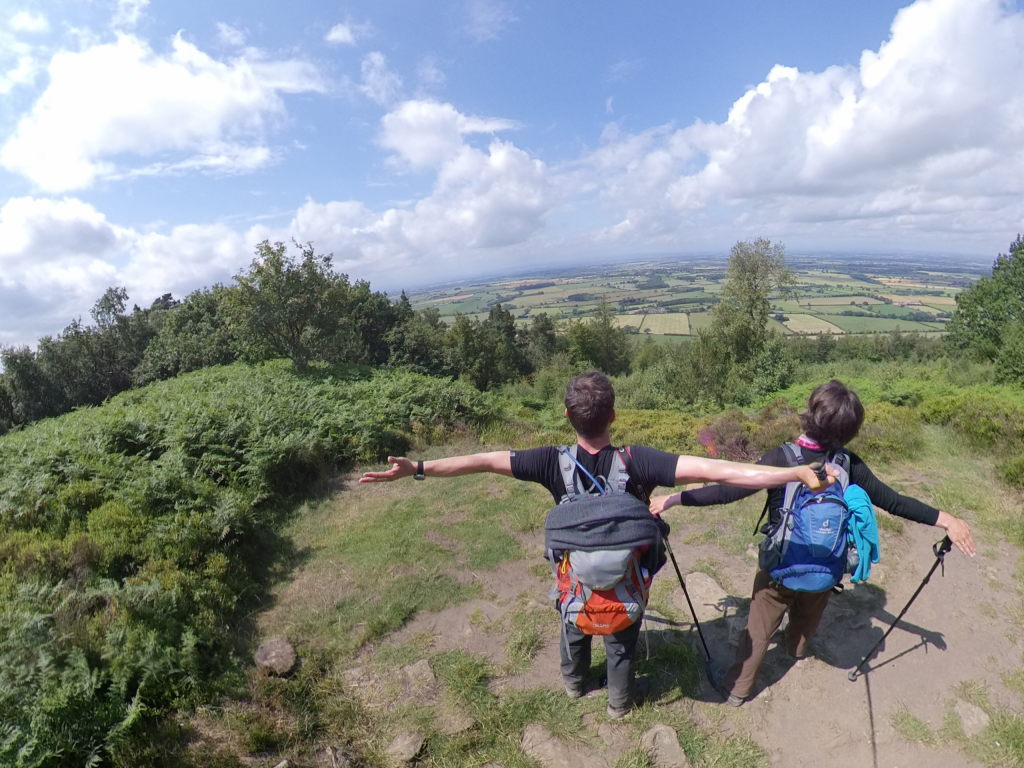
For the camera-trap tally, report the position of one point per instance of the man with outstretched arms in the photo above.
(590, 408)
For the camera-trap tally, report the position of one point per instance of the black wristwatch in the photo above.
(419, 471)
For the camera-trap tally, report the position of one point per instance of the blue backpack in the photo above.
(807, 547)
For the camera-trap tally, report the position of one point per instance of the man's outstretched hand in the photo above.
(400, 467)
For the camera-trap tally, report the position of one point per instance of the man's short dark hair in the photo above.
(834, 415)
(590, 402)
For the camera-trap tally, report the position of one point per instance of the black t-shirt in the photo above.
(881, 495)
(648, 468)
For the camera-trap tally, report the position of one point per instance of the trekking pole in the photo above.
(940, 549)
(672, 556)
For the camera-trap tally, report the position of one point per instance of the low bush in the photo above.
(889, 432)
(139, 535)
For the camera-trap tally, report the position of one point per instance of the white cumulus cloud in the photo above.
(487, 19)
(229, 35)
(925, 136)
(128, 13)
(379, 83)
(117, 101)
(425, 133)
(57, 256)
(341, 34)
(26, 21)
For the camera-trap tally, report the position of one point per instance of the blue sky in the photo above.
(152, 144)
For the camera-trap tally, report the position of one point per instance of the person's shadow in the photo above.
(677, 660)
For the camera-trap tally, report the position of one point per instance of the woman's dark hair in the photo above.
(590, 402)
(834, 415)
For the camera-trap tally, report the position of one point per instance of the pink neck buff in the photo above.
(805, 442)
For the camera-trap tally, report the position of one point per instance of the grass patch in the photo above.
(637, 757)
(1015, 681)
(525, 635)
(1002, 743)
(912, 728)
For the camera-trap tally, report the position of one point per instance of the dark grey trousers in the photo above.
(619, 648)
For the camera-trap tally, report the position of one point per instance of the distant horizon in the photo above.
(981, 262)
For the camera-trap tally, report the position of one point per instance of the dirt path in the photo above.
(962, 629)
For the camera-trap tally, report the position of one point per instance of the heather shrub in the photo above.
(889, 432)
(137, 537)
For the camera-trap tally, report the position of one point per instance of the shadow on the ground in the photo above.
(677, 661)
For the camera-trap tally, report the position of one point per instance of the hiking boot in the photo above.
(641, 687)
(574, 691)
(617, 713)
(716, 676)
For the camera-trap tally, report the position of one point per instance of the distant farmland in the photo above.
(674, 298)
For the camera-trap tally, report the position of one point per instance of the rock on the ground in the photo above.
(283, 764)
(973, 718)
(419, 675)
(550, 752)
(616, 738)
(662, 743)
(452, 720)
(710, 601)
(277, 656)
(405, 747)
(329, 757)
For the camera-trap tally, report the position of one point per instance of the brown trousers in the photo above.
(769, 604)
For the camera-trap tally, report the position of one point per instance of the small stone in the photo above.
(616, 737)
(973, 718)
(277, 656)
(662, 743)
(282, 764)
(752, 552)
(329, 757)
(710, 601)
(451, 720)
(419, 674)
(405, 747)
(550, 752)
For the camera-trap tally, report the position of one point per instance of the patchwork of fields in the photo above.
(674, 298)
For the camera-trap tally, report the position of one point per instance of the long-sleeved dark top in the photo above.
(881, 495)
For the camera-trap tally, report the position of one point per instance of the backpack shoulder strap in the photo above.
(794, 457)
(567, 467)
(618, 472)
(626, 458)
(841, 459)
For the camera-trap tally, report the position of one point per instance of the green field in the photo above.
(663, 324)
(675, 297)
(878, 324)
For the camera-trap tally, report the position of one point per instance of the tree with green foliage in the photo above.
(739, 356)
(599, 342)
(418, 342)
(756, 270)
(190, 335)
(986, 309)
(283, 306)
(83, 365)
(1010, 360)
(489, 352)
(542, 342)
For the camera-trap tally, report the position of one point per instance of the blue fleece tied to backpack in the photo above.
(863, 529)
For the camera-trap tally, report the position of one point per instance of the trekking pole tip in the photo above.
(852, 676)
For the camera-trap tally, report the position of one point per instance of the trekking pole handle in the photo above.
(941, 549)
(818, 467)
